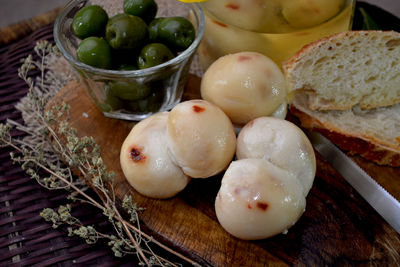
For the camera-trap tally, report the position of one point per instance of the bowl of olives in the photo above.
(133, 56)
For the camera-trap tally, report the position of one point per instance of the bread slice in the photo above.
(347, 86)
(348, 69)
(374, 134)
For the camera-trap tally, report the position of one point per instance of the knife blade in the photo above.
(383, 202)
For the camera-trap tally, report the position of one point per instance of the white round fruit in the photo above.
(258, 200)
(201, 138)
(283, 144)
(245, 85)
(145, 160)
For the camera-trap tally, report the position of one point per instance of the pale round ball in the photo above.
(282, 143)
(254, 15)
(258, 200)
(244, 14)
(280, 112)
(222, 39)
(307, 13)
(245, 85)
(201, 138)
(146, 162)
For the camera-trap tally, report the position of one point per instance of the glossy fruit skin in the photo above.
(129, 90)
(146, 9)
(153, 29)
(150, 104)
(177, 33)
(153, 55)
(89, 21)
(125, 31)
(96, 52)
(111, 102)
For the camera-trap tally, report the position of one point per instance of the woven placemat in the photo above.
(26, 239)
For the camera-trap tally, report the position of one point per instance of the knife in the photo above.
(384, 203)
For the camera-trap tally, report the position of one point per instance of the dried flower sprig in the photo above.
(50, 143)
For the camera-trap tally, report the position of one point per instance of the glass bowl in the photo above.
(161, 86)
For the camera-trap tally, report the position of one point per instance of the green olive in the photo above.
(94, 51)
(125, 31)
(146, 9)
(129, 90)
(150, 104)
(89, 21)
(153, 29)
(153, 55)
(111, 102)
(177, 33)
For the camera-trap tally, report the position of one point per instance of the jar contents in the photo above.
(275, 28)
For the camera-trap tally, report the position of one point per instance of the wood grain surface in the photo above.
(337, 228)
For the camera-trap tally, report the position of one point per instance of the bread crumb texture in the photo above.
(354, 68)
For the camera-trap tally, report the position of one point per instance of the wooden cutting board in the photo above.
(337, 228)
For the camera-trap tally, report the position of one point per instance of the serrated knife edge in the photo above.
(383, 202)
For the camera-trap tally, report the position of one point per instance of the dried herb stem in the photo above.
(93, 202)
(166, 248)
(128, 232)
(50, 142)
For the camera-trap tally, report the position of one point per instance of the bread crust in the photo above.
(351, 144)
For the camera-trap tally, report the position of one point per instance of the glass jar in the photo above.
(275, 28)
